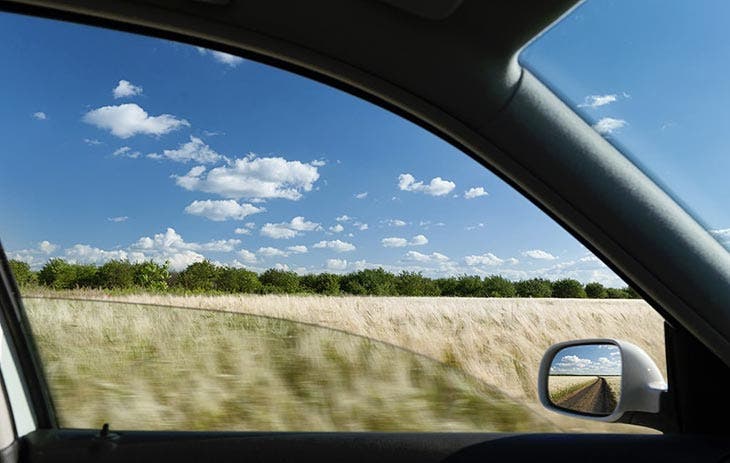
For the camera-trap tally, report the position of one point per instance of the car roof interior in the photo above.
(452, 67)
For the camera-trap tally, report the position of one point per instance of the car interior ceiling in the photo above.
(451, 66)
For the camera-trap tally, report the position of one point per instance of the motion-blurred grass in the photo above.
(162, 368)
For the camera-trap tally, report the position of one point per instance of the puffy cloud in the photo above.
(287, 230)
(362, 195)
(336, 264)
(85, 254)
(92, 141)
(318, 163)
(396, 223)
(722, 235)
(121, 218)
(46, 247)
(223, 58)
(608, 125)
(126, 89)
(437, 186)
(195, 150)
(130, 119)
(539, 254)
(40, 115)
(251, 177)
(488, 259)
(594, 101)
(419, 257)
(300, 249)
(335, 245)
(343, 218)
(476, 192)
(336, 228)
(35, 257)
(361, 226)
(247, 256)
(126, 152)
(271, 252)
(242, 231)
(396, 242)
(221, 210)
(170, 246)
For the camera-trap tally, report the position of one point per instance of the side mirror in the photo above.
(600, 379)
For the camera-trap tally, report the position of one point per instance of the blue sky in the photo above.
(120, 146)
(589, 359)
(652, 75)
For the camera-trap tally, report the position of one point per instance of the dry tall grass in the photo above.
(499, 341)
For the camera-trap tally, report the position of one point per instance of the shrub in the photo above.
(237, 280)
(375, 282)
(535, 287)
(151, 275)
(57, 274)
(24, 276)
(568, 288)
(323, 283)
(497, 286)
(415, 284)
(280, 281)
(596, 291)
(115, 274)
(198, 276)
(614, 293)
(447, 286)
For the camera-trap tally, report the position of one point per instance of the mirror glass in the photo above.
(586, 378)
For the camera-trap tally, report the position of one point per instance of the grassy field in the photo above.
(431, 364)
(561, 386)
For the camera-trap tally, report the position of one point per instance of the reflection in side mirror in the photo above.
(586, 379)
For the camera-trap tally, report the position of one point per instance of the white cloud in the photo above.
(539, 254)
(608, 125)
(336, 264)
(126, 152)
(362, 195)
(722, 235)
(335, 245)
(318, 163)
(437, 186)
(40, 115)
(46, 247)
(594, 101)
(224, 58)
(343, 218)
(121, 218)
(476, 192)
(300, 249)
(271, 252)
(396, 242)
(242, 231)
(126, 89)
(287, 230)
(396, 223)
(361, 226)
(419, 257)
(130, 119)
(195, 150)
(474, 227)
(488, 259)
(247, 256)
(85, 254)
(221, 210)
(251, 177)
(170, 246)
(92, 141)
(336, 228)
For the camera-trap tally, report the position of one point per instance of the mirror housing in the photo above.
(642, 384)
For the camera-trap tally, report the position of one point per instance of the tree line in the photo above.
(206, 277)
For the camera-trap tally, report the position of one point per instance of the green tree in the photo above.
(151, 275)
(469, 286)
(415, 284)
(323, 283)
(631, 293)
(534, 287)
(237, 280)
(115, 274)
(24, 276)
(568, 288)
(447, 286)
(199, 276)
(280, 281)
(57, 274)
(84, 276)
(497, 286)
(374, 282)
(615, 293)
(596, 291)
